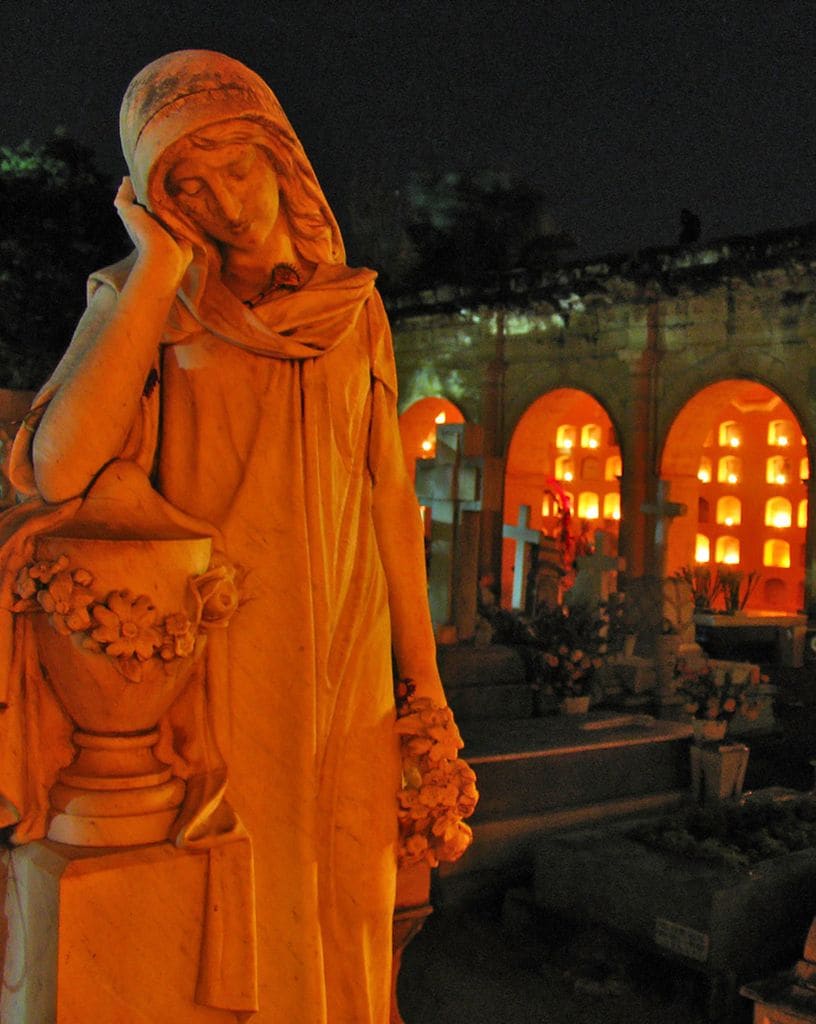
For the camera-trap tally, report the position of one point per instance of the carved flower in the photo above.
(216, 596)
(66, 599)
(179, 637)
(25, 586)
(46, 571)
(126, 626)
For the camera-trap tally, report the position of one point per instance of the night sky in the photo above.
(621, 112)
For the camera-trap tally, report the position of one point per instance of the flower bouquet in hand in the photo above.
(439, 789)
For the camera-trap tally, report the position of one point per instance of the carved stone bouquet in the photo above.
(120, 624)
(439, 789)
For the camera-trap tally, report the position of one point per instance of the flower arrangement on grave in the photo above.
(572, 543)
(571, 644)
(439, 789)
(713, 696)
(125, 627)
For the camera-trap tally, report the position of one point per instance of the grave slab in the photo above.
(550, 774)
(490, 703)
(566, 761)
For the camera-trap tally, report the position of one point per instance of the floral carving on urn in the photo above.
(120, 624)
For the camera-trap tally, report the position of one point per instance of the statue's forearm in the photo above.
(399, 538)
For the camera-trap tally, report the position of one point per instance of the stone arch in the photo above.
(533, 459)
(609, 385)
(696, 433)
(721, 370)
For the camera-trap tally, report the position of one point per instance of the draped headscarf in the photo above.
(188, 92)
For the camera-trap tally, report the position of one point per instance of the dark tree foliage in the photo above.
(57, 224)
(454, 228)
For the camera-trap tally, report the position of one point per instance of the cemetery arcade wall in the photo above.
(643, 335)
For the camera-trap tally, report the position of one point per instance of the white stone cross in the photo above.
(594, 580)
(523, 535)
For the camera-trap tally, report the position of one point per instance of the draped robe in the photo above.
(281, 454)
(276, 439)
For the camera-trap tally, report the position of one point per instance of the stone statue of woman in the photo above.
(238, 359)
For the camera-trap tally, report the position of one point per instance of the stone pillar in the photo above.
(451, 486)
(640, 460)
(681, 539)
(492, 421)
(810, 543)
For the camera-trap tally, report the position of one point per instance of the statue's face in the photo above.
(229, 192)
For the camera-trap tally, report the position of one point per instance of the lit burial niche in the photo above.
(418, 425)
(736, 456)
(564, 448)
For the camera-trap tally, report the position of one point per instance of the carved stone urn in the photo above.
(119, 614)
(116, 792)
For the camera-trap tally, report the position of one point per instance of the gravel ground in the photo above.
(465, 967)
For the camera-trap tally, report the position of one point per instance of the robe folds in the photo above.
(275, 439)
(280, 452)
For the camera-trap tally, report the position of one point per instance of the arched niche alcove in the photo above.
(565, 436)
(418, 424)
(740, 428)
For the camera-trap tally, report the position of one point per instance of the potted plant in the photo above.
(705, 585)
(713, 698)
(735, 595)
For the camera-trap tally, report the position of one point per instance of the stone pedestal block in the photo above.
(104, 935)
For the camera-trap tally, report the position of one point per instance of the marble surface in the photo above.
(110, 936)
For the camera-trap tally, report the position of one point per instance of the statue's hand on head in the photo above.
(156, 244)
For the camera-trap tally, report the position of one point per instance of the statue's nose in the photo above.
(229, 203)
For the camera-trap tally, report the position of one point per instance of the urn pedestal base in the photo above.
(115, 793)
(105, 936)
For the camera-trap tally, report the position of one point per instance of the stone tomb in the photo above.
(547, 774)
(485, 683)
(729, 925)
